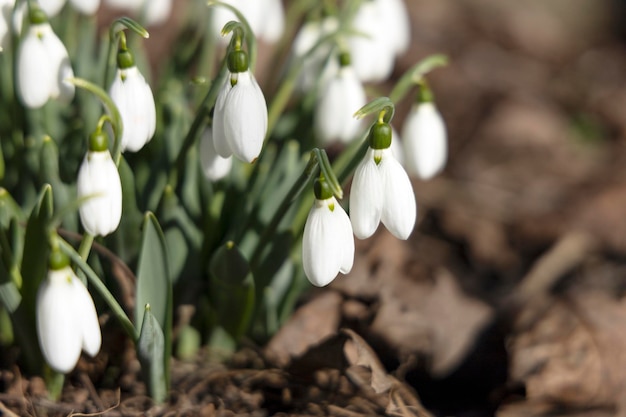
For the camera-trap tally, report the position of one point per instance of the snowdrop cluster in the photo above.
(134, 99)
(43, 64)
(265, 17)
(240, 114)
(381, 193)
(100, 188)
(67, 321)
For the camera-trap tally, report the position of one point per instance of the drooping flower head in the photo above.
(381, 190)
(327, 242)
(240, 114)
(43, 64)
(265, 17)
(67, 321)
(100, 186)
(133, 97)
(341, 96)
(424, 137)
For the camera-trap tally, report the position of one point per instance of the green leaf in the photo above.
(153, 280)
(232, 290)
(151, 353)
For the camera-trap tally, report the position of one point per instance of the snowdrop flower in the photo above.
(317, 66)
(425, 139)
(88, 7)
(133, 97)
(154, 12)
(100, 186)
(43, 65)
(265, 17)
(327, 243)
(340, 98)
(381, 190)
(67, 321)
(240, 114)
(386, 27)
(214, 166)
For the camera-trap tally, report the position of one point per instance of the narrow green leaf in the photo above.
(153, 280)
(232, 290)
(151, 353)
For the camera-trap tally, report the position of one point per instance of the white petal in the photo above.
(274, 21)
(157, 11)
(245, 118)
(214, 166)
(395, 18)
(88, 318)
(87, 7)
(58, 328)
(334, 111)
(366, 197)
(372, 58)
(425, 141)
(219, 137)
(60, 66)
(396, 146)
(317, 67)
(135, 102)
(51, 7)
(345, 236)
(321, 246)
(99, 180)
(399, 208)
(34, 78)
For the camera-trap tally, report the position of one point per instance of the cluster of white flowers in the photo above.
(67, 321)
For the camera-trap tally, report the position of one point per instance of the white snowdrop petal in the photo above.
(88, 7)
(399, 207)
(157, 11)
(334, 111)
(425, 141)
(274, 21)
(345, 237)
(396, 146)
(316, 67)
(59, 334)
(366, 197)
(51, 7)
(321, 249)
(99, 180)
(34, 78)
(88, 318)
(214, 166)
(245, 118)
(395, 18)
(219, 136)
(60, 66)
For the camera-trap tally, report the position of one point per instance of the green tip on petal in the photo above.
(58, 260)
(237, 61)
(380, 136)
(98, 141)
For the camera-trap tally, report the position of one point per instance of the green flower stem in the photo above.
(104, 292)
(85, 246)
(116, 119)
(415, 74)
(114, 31)
(197, 124)
(307, 174)
(249, 35)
